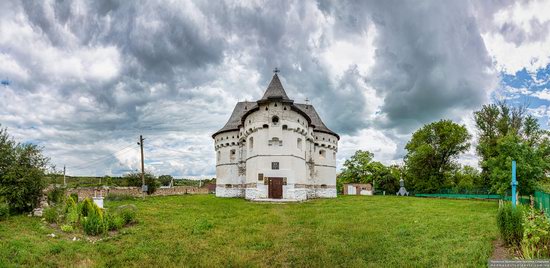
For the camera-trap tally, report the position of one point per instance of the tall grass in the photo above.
(510, 223)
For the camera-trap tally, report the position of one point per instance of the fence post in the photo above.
(514, 183)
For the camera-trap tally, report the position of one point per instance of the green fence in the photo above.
(542, 202)
(462, 196)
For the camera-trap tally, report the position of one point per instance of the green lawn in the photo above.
(202, 230)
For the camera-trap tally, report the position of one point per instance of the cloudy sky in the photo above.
(84, 79)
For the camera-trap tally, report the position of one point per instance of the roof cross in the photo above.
(276, 70)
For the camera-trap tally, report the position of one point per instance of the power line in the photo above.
(98, 160)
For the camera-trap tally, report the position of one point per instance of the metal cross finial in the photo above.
(307, 100)
(276, 70)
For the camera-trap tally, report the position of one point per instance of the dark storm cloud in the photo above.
(430, 60)
(98, 73)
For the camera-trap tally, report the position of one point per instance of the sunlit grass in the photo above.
(202, 230)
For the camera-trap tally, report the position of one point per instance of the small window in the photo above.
(260, 176)
(275, 105)
(275, 142)
(275, 165)
(275, 120)
(322, 154)
(265, 126)
(299, 144)
(232, 154)
(219, 155)
(266, 108)
(284, 108)
(251, 143)
(285, 127)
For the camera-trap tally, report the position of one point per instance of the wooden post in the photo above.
(142, 167)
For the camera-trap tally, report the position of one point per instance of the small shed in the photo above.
(358, 189)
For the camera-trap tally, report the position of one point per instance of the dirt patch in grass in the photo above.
(500, 251)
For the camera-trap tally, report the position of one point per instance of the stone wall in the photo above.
(136, 191)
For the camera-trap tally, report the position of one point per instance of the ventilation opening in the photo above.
(322, 154)
(275, 120)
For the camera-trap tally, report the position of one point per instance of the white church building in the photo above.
(274, 148)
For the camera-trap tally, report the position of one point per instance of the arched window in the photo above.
(219, 155)
(265, 126)
(251, 143)
(232, 154)
(299, 144)
(275, 120)
(322, 154)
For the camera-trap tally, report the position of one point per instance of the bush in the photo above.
(72, 215)
(510, 223)
(67, 228)
(119, 197)
(22, 173)
(536, 236)
(113, 221)
(86, 206)
(56, 195)
(74, 196)
(134, 179)
(51, 214)
(93, 223)
(4, 211)
(127, 213)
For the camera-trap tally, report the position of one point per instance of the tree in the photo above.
(432, 153)
(505, 134)
(22, 173)
(134, 179)
(165, 180)
(361, 169)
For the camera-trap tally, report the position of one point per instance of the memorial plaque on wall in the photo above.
(274, 165)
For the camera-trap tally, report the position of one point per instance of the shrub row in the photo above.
(525, 229)
(86, 214)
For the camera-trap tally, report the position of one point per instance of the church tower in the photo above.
(274, 148)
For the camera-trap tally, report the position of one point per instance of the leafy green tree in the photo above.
(432, 153)
(22, 173)
(505, 134)
(361, 169)
(165, 180)
(134, 179)
(465, 178)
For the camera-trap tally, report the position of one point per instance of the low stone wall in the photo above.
(135, 191)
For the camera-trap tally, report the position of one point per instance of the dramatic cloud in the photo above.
(87, 78)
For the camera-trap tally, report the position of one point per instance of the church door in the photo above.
(275, 189)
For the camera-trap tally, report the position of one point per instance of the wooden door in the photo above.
(275, 189)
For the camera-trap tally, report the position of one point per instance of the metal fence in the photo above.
(542, 202)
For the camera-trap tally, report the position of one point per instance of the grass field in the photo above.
(203, 230)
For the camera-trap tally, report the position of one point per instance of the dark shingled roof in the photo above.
(315, 118)
(274, 91)
(235, 119)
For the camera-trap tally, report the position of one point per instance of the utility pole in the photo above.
(64, 180)
(142, 167)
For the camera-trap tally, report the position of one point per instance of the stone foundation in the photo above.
(229, 192)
